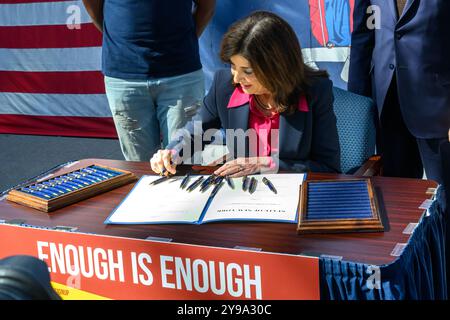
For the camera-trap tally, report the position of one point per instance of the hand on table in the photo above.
(245, 166)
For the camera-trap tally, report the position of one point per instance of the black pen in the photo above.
(245, 181)
(207, 182)
(269, 184)
(195, 184)
(230, 182)
(157, 181)
(218, 180)
(253, 183)
(185, 181)
(216, 189)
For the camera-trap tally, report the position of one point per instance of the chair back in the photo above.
(356, 116)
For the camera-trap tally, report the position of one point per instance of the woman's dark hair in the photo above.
(271, 46)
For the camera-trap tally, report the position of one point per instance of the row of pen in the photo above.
(72, 181)
(248, 183)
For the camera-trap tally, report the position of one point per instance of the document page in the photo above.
(165, 202)
(263, 204)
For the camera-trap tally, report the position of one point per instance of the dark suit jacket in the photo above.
(416, 48)
(308, 141)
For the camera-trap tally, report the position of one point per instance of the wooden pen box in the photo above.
(328, 206)
(65, 189)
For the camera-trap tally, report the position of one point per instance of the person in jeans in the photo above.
(151, 63)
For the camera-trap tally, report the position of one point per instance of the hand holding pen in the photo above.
(163, 162)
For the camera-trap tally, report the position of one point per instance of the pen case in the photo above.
(338, 206)
(62, 190)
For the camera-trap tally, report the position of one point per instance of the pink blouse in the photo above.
(261, 123)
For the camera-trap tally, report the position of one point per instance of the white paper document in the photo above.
(166, 202)
(263, 204)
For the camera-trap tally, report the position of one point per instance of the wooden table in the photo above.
(399, 200)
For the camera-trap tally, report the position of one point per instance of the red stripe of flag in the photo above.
(94, 127)
(49, 36)
(76, 82)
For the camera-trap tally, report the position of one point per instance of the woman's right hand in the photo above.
(162, 160)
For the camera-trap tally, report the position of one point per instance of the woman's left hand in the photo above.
(245, 166)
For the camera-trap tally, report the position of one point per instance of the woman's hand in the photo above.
(245, 166)
(162, 161)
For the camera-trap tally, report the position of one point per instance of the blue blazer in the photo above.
(416, 48)
(308, 141)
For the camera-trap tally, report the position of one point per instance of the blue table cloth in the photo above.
(418, 273)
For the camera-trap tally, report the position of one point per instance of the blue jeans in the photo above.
(146, 110)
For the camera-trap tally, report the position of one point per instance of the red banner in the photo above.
(93, 266)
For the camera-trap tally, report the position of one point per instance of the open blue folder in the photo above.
(166, 202)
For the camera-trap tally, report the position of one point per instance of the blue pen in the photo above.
(230, 182)
(99, 177)
(47, 184)
(50, 183)
(41, 195)
(253, 183)
(185, 181)
(43, 190)
(105, 171)
(269, 184)
(245, 181)
(49, 194)
(207, 182)
(35, 193)
(158, 181)
(66, 183)
(61, 189)
(63, 184)
(216, 189)
(85, 173)
(83, 181)
(218, 179)
(84, 177)
(26, 190)
(96, 173)
(108, 172)
(71, 183)
(92, 177)
(92, 174)
(195, 184)
(75, 180)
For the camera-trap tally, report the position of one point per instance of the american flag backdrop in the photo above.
(50, 79)
(50, 58)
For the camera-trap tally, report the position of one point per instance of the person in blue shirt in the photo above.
(151, 63)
